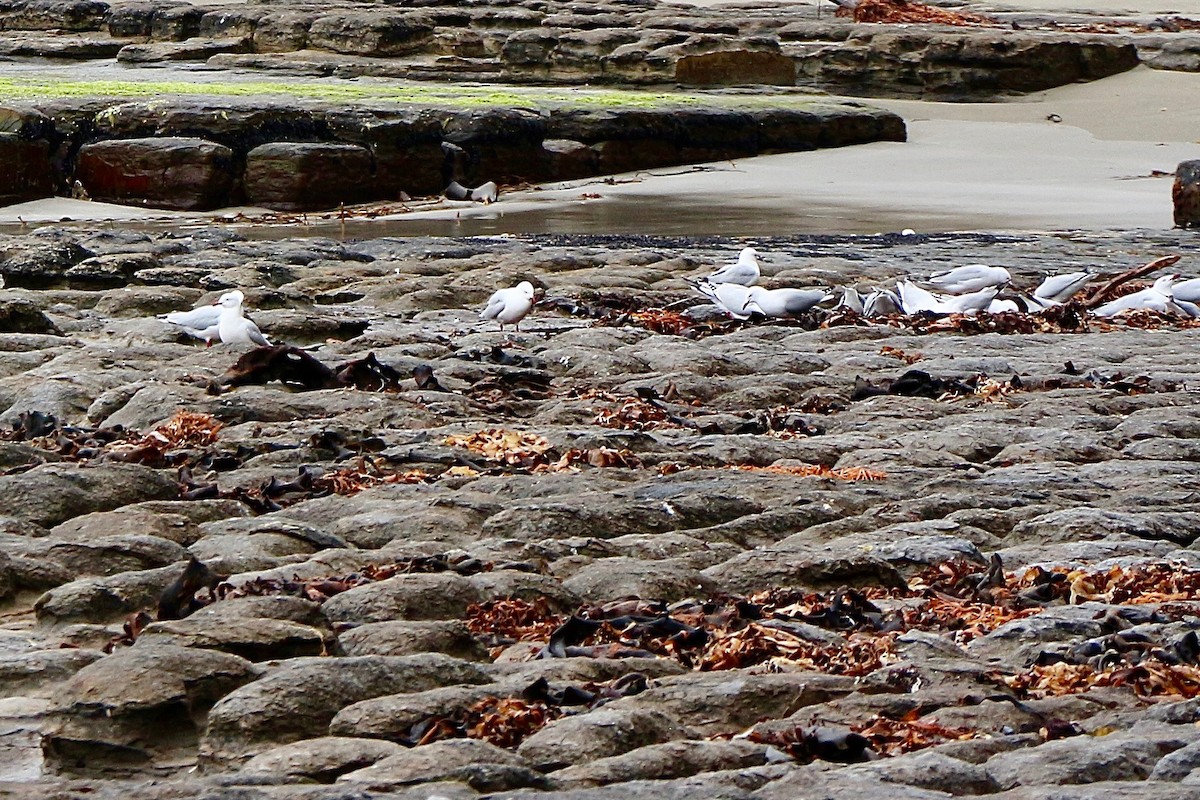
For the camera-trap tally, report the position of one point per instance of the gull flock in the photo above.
(969, 289)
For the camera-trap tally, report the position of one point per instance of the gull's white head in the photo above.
(748, 256)
(230, 299)
(1163, 284)
(526, 288)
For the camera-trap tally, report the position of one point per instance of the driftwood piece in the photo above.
(1105, 293)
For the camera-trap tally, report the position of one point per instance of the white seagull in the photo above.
(233, 327)
(509, 305)
(744, 273)
(969, 278)
(1060, 288)
(201, 323)
(1003, 307)
(729, 297)
(1187, 291)
(1158, 297)
(851, 299)
(782, 302)
(970, 303)
(914, 299)
(882, 303)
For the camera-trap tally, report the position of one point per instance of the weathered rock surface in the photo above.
(116, 712)
(322, 760)
(25, 171)
(307, 176)
(375, 637)
(197, 153)
(480, 765)
(166, 172)
(298, 699)
(54, 493)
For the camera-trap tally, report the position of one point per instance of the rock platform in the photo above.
(814, 585)
(200, 153)
(623, 42)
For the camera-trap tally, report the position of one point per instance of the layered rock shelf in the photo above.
(634, 42)
(204, 153)
(296, 155)
(625, 551)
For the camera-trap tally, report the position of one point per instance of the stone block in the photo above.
(165, 172)
(370, 34)
(296, 176)
(25, 172)
(736, 67)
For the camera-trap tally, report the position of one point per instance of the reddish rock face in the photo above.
(165, 172)
(292, 176)
(1185, 194)
(24, 170)
(732, 67)
(567, 159)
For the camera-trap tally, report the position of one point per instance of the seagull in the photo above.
(851, 300)
(233, 327)
(509, 305)
(1188, 291)
(970, 303)
(782, 302)
(969, 278)
(914, 299)
(1158, 297)
(1003, 307)
(1189, 308)
(744, 273)
(729, 297)
(882, 303)
(1060, 288)
(201, 323)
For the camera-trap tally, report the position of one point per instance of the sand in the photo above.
(968, 166)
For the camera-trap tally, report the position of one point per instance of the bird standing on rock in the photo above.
(509, 305)
(233, 327)
(203, 323)
(744, 271)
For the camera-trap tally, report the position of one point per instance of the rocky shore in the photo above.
(624, 551)
(294, 155)
(624, 42)
(201, 153)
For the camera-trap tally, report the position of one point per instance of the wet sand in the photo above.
(966, 166)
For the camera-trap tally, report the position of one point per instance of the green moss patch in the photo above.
(481, 96)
